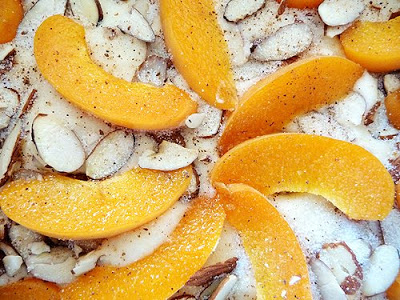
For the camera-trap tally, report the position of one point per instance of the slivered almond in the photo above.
(86, 263)
(288, 41)
(169, 157)
(195, 120)
(110, 155)
(237, 10)
(340, 12)
(350, 110)
(57, 145)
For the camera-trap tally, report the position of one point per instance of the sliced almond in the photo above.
(361, 249)
(343, 263)
(367, 87)
(211, 123)
(86, 263)
(57, 145)
(350, 110)
(288, 41)
(237, 10)
(391, 82)
(9, 100)
(195, 120)
(340, 12)
(110, 155)
(88, 9)
(12, 264)
(55, 266)
(131, 246)
(332, 31)
(37, 248)
(153, 70)
(7, 56)
(224, 288)
(169, 157)
(117, 53)
(129, 21)
(326, 281)
(384, 267)
(10, 146)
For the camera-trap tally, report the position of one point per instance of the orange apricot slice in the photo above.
(393, 293)
(199, 50)
(30, 289)
(276, 257)
(296, 89)
(347, 175)
(11, 14)
(392, 103)
(67, 208)
(63, 58)
(161, 274)
(302, 3)
(374, 45)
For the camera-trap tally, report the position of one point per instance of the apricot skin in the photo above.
(63, 58)
(296, 89)
(67, 208)
(199, 50)
(30, 289)
(393, 293)
(11, 14)
(392, 103)
(347, 175)
(270, 243)
(374, 45)
(302, 3)
(161, 274)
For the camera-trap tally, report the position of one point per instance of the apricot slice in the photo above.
(347, 175)
(276, 257)
(63, 58)
(296, 89)
(161, 274)
(374, 45)
(67, 208)
(11, 14)
(30, 289)
(392, 103)
(393, 293)
(199, 50)
(302, 3)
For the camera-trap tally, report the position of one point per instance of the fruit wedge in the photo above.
(296, 89)
(302, 3)
(63, 58)
(67, 208)
(161, 274)
(374, 45)
(392, 103)
(393, 293)
(276, 257)
(30, 289)
(347, 175)
(199, 50)
(11, 14)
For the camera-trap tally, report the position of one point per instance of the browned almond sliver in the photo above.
(207, 274)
